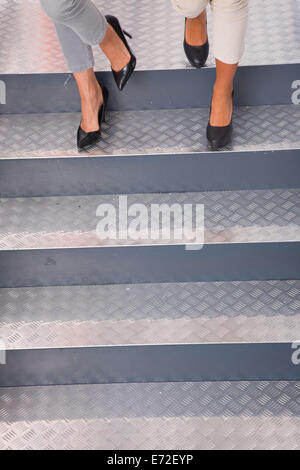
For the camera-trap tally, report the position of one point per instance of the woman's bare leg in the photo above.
(78, 28)
(229, 29)
(91, 99)
(196, 30)
(221, 107)
(88, 86)
(114, 49)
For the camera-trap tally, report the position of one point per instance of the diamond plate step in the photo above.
(71, 221)
(53, 241)
(149, 151)
(150, 332)
(267, 70)
(218, 415)
(249, 311)
(153, 30)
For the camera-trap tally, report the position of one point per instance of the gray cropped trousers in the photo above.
(79, 25)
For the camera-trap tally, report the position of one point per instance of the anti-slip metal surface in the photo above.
(29, 43)
(267, 128)
(222, 415)
(225, 415)
(149, 151)
(261, 311)
(71, 221)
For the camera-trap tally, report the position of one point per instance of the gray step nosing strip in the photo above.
(84, 157)
(159, 363)
(146, 173)
(134, 264)
(148, 245)
(255, 85)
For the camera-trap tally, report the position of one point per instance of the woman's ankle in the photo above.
(223, 90)
(221, 108)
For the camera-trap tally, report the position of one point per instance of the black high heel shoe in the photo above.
(196, 55)
(122, 77)
(86, 139)
(219, 136)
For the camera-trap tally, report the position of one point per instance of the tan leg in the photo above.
(91, 99)
(114, 49)
(196, 30)
(221, 108)
(89, 89)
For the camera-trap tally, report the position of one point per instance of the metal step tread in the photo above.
(154, 29)
(248, 311)
(209, 415)
(71, 221)
(148, 132)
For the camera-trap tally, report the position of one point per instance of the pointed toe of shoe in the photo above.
(196, 55)
(86, 139)
(219, 137)
(122, 77)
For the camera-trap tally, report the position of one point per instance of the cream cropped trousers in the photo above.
(229, 25)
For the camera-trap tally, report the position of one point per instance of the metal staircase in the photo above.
(135, 345)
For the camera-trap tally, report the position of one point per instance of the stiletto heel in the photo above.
(105, 100)
(122, 76)
(86, 139)
(219, 136)
(196, 55)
